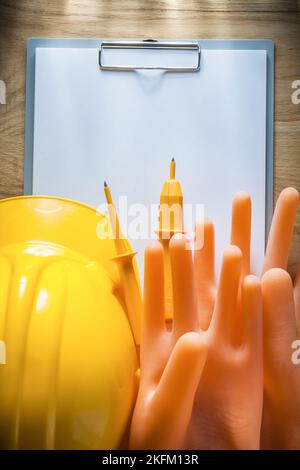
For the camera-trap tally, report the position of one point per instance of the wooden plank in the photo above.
(91, 7)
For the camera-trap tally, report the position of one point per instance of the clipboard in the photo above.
(130, 118)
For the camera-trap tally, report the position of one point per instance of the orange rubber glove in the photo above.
(228, 404)
(162, 414)
(281, 231)
(281, 412)
(171, 361)
(277, 251)
(222, 417)
(281, 307)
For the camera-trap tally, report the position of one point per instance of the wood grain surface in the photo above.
(278, 20)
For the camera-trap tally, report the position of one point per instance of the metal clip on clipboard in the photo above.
(150, 44)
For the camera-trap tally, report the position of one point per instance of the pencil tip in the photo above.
(105, 184)
(173, 159)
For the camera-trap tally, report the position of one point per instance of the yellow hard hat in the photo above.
(70, 379)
